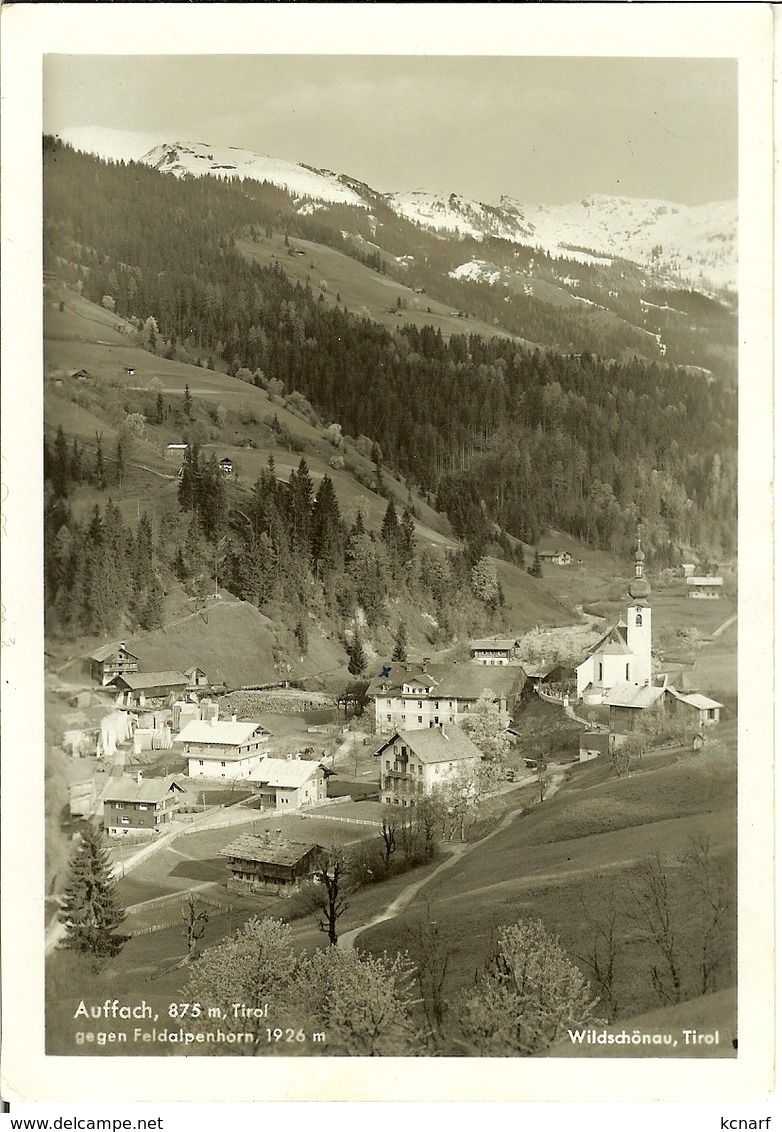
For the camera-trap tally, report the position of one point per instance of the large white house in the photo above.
(290, 783)
(623, 655)
(223, 748)
(415, 763)
(408, 697)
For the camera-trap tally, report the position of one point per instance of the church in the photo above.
(623, 655)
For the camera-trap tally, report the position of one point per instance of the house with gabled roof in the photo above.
(291, 783)
(494, 650)
(696, 709)
(409, 696)
(110, 661)
(224, 748)
(135, 688)
(415, 763)
(140, 804)
(270, 864)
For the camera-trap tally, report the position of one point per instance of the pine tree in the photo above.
(536, 569)
(152, 614)
(357, 665)
(325, 528)
(302, 639)
(120, 465)
(99, 474)
(61, 464)
(159, 409)
(188, 402)
(400, 644)
(89, 909)
(389, 531)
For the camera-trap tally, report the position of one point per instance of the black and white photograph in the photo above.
(396, 484)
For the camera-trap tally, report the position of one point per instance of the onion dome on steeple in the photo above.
(639, 589)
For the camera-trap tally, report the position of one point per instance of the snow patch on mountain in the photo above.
(199, 160)
(457, 215)
(478, 270)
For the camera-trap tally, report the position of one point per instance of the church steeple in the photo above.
(639, 588)
(639, 621)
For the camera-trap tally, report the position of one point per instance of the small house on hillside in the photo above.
(691, 707)
(494, 650)
(291, 783)
(140, 804)
(414, 763)
(271, 864)
(705, 587)
(224, 748)
(110, 661)
(556, 557)
(196, 677)
(136, 688)
(175, 450)
(226, 466)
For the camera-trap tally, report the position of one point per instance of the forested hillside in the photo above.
(497, 435)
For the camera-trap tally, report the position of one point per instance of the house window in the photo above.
(388, 702)
(420, 719)
(712, 713)
(388, 717)
(125, 821)
(420, 704)
(119, 805)
(222, 764)
(142, 806)
(627, 672)
(600, 671)
(200, 762)
(639, 619)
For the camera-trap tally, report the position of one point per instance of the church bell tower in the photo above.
(639, 622)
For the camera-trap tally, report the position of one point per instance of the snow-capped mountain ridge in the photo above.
(696, 244)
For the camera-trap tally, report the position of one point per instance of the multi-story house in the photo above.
(137, 805)
(494, 650)
(111, 661)
(408, 697)
(414, 763)
(224, 748)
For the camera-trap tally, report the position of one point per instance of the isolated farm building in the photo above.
(626, 703)
(136, 688)
(226, 466)
(708, 587)
(693, 708)
(271, 864)
(139, 804)
(196, 677)
(224, 748)
(82, 375)
(688, 568)
(175, 450)
(130, 370)
(623, 655)
(556, 557)
(290, 783)
(407, 697)
(111, 661)
(494, 650)
(414, 763)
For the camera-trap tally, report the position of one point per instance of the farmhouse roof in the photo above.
(495, 643)
(253, 848)
(629, 695)
(708, 580)
(695, 699)
(111, 650)
(139, 681)
(433, 745)
(220, 732)
(127, 789)
(285, 773)
(454, 681)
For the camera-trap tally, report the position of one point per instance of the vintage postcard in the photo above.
(388, 592)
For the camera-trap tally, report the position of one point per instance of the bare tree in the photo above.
(711, 894)
(600, 956)
(330, 893)
(655, 915)
(388, 833)
(542, 777)
(195, 924)
(431, 958)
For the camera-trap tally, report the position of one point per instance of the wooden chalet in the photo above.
(110, 661)
(271, 864)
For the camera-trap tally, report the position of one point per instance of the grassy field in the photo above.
(362, 290)
(561, 861)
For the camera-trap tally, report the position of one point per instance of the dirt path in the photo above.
(408, 894)
(725, 625)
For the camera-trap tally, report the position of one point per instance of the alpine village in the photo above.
(390, 578)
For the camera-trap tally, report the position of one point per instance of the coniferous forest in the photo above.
(499, 437)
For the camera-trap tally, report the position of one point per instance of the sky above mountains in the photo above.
(546, 129)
